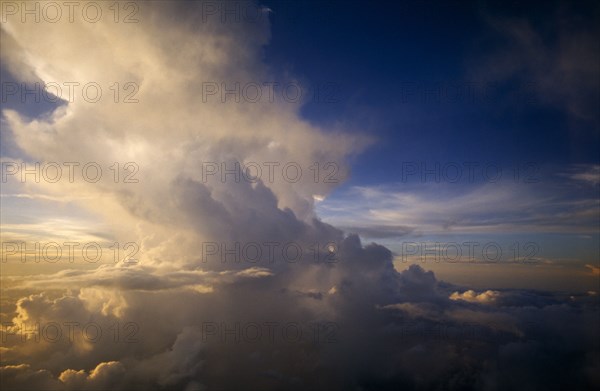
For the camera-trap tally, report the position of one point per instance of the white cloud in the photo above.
(172, 130)
(435, 208)
(471, 296)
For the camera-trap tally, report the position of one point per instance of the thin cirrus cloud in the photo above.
(433, 208)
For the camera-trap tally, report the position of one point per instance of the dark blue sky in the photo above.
(448, 81)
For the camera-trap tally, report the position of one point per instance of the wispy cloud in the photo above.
(432, 208)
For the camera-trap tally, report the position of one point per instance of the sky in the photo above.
(300, 194)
